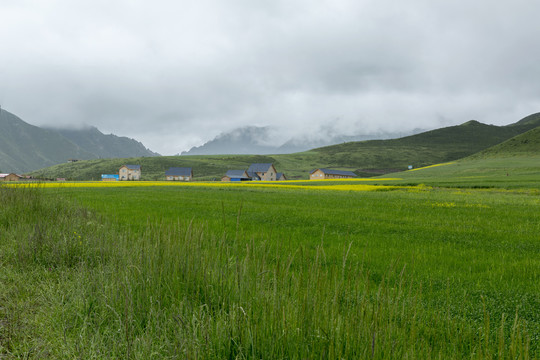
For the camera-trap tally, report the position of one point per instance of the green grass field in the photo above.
(519, 171)
(451, 271)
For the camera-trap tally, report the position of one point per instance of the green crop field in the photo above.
(429, 268)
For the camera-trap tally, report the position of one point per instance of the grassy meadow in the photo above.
(519, 171)
(321, 270)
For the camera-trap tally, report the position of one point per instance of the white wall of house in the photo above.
(129, 174)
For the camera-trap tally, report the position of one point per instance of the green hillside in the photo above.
(514, 163)
(530, 121)
(517, 171)
(526, 143)
(366, 158)
(430, 147)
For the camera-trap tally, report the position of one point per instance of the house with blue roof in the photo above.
(321, 174)
(262, 172)
(130, 172)
(109, 177)
(256, 172)
(236, 175)
(179, 174)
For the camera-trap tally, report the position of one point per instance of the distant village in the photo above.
(255, 172)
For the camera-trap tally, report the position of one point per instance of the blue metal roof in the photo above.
(259, 168)
(240, 174)
(109, 176)
(335, 172)
(178, 171)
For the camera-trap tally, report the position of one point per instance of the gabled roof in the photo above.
(335, 172)
(4, 175)
(237, 174)
(253, 175)
(132, 167)
(178, 171)
(278, 175)
(256, 168)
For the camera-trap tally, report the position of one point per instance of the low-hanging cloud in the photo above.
(174, 74)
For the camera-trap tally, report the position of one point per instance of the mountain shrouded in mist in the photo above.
(268, 140)
(25, 147)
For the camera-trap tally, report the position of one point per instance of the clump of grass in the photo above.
(43, 243)
(47, 233)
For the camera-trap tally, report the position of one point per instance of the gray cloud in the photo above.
(174, 74)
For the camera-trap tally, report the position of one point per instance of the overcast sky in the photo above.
(174, 74)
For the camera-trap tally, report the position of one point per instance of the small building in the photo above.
(130, 172)
(263, 172)
(10, 177)
(281, 177)
(108, 177)
(179, 174)
(72, 160)
(236, 175)
(321, 174)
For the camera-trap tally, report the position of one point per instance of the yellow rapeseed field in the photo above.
(259, 184)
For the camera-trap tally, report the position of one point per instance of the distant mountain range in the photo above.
(25, 147)
(266, 140)
(365, 158)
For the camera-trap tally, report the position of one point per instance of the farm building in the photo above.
(10, 177)
(281, 177)
(109, 177)
(179, 174)
(130, 172)
(236, 175)
(263, 172)
(320, 174)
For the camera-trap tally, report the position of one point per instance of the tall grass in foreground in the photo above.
(73, 285)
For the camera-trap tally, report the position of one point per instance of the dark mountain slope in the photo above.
(25, 147)
(523, 144)
(527, 122)
(105, 146)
